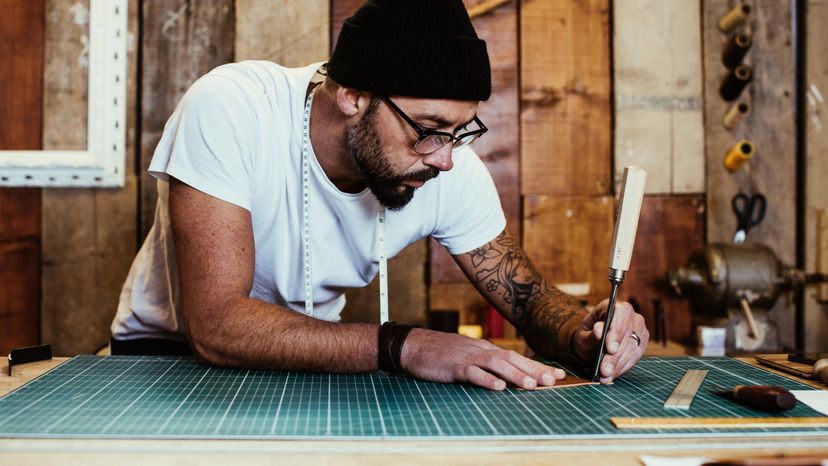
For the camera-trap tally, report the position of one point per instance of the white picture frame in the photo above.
(102, 163)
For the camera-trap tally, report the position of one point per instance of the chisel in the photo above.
(626, 225)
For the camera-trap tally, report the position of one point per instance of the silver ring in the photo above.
(636, 338)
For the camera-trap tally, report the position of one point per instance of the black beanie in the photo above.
(417, 48)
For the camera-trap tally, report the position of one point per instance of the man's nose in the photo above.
(440, 159)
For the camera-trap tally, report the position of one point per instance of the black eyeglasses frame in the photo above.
(423, 133)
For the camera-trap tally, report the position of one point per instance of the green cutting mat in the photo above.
(159, 397)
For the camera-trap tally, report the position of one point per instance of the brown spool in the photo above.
(735, 82)
(735, 49)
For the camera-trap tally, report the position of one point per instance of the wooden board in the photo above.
(89, 235)
(498, 148)
(569, 382)
(180, 42)
(340, 11)
(287, 32)
(670, 230)
(770, 125)
(565, 97)
(816, 166)
(658, 93)
(20, 270)
(21, 33)
(717, 422)
(569, 239)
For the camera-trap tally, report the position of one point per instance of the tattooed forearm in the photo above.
(502, 271)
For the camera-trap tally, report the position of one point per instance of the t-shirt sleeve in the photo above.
(207, 142)
(471, 214)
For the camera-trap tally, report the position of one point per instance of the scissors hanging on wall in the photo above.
(750, 211)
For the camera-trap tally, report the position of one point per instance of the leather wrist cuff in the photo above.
(391, 339)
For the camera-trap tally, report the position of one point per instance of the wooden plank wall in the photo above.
(657, 83)
(816, 163)
(670, 230)
(568, 239)
(565, 150)
(304, 42)
(89, 235)
(770, 125)
(565, 97)
(658, 93)
(21, 33)
(181, 40)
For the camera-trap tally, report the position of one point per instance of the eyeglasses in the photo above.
(430, 141)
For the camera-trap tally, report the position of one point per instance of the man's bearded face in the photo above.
(375, 165)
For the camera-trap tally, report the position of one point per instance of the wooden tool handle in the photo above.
(753, 330)
(821, 371)
(626, 225)
(765, 397)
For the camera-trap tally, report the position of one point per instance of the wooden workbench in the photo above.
(211, 452)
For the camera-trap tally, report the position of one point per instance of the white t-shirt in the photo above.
(237, 135)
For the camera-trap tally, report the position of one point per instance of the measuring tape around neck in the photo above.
(306, 225)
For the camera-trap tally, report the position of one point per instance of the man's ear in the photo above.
(352, 102)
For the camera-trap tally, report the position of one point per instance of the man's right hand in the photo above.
(449, 357)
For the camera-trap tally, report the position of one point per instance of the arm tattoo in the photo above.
(503, 268)
(503, 272)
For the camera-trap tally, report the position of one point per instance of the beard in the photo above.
(374, 164)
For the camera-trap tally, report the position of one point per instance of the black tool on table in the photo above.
(660, 323)
(807, 358)
(750, 211)
(762, 397)
(29, 354)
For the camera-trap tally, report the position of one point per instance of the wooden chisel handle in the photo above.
(765, 397)
(626, 225)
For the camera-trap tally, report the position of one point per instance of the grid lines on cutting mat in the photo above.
(166, 397)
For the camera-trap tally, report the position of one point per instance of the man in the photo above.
(275, 195)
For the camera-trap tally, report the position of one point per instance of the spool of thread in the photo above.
(735, 114)
(444, 320)
(735, 82)
(738, 155)
(734, 18)
(821, 370)
(736, 48)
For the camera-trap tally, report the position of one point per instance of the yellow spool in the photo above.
(738, 155)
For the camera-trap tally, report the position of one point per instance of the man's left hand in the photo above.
(622, 351)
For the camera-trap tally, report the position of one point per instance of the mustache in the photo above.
(423, 176)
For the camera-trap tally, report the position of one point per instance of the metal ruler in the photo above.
(685, 391)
